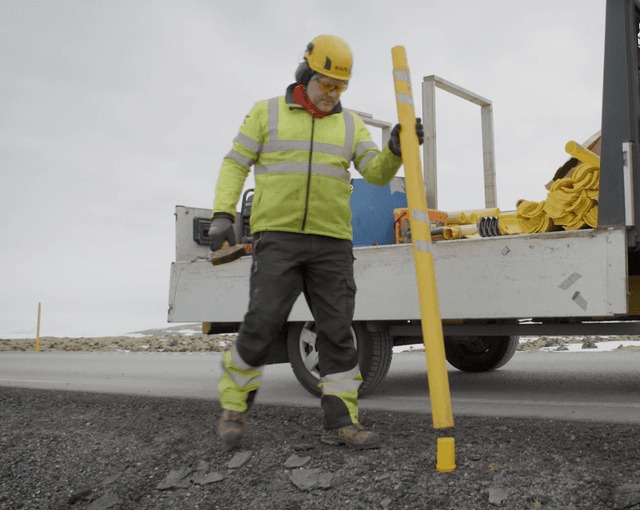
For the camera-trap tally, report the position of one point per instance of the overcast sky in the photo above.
(113, 112)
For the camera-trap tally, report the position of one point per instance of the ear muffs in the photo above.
(304, 72)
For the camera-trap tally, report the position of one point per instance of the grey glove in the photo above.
(394, 141)
(221, 230)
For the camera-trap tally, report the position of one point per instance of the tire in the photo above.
(480, 353)
(375, 350)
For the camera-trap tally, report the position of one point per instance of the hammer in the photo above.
(227, 253)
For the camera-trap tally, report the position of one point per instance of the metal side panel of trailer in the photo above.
(558, 274)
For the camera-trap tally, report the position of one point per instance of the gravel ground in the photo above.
(155, 343)
(172, 341)
(69, 450)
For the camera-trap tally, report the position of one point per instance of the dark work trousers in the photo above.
(284, 265)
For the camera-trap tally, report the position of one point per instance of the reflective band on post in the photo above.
(404, 98)
(420, 215)
(627, 171)
(422, 245)
(402, 75)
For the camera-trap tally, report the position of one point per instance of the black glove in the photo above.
(221, 230)
(394, 141)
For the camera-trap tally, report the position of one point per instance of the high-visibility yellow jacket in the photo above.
(301, 168)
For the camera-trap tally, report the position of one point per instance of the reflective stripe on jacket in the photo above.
(301, 168)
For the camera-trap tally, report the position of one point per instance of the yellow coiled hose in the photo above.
(572, 202)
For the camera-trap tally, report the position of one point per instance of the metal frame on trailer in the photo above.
(620, 143)
(429, 149)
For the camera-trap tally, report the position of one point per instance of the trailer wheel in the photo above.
(374, 355)
(480, 353)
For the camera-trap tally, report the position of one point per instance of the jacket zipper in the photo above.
(306, 203)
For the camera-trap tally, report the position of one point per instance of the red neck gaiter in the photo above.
(300, 97)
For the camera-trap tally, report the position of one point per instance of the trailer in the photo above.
(491, 290)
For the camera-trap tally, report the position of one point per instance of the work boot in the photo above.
(352, 435)
(231, 427)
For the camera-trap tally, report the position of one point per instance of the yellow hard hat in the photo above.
(331, 56)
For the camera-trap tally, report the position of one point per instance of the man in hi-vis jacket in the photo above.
(301, 145)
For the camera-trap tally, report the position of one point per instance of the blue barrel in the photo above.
(372, 211)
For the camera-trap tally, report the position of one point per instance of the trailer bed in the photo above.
(572, 274)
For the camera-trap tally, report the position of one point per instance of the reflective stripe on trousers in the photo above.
(239, 382)
(340, 398)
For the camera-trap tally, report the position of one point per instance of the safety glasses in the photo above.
(328, 88)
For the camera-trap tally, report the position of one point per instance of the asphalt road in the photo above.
(601, 386)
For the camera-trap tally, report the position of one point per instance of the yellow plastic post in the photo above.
(582, 154)
(468, 217)
(446, 455)
(459, 231)
(421, 238)
(38, 334)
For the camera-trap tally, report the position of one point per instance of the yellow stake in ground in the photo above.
(421, 237)
(38, 336)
